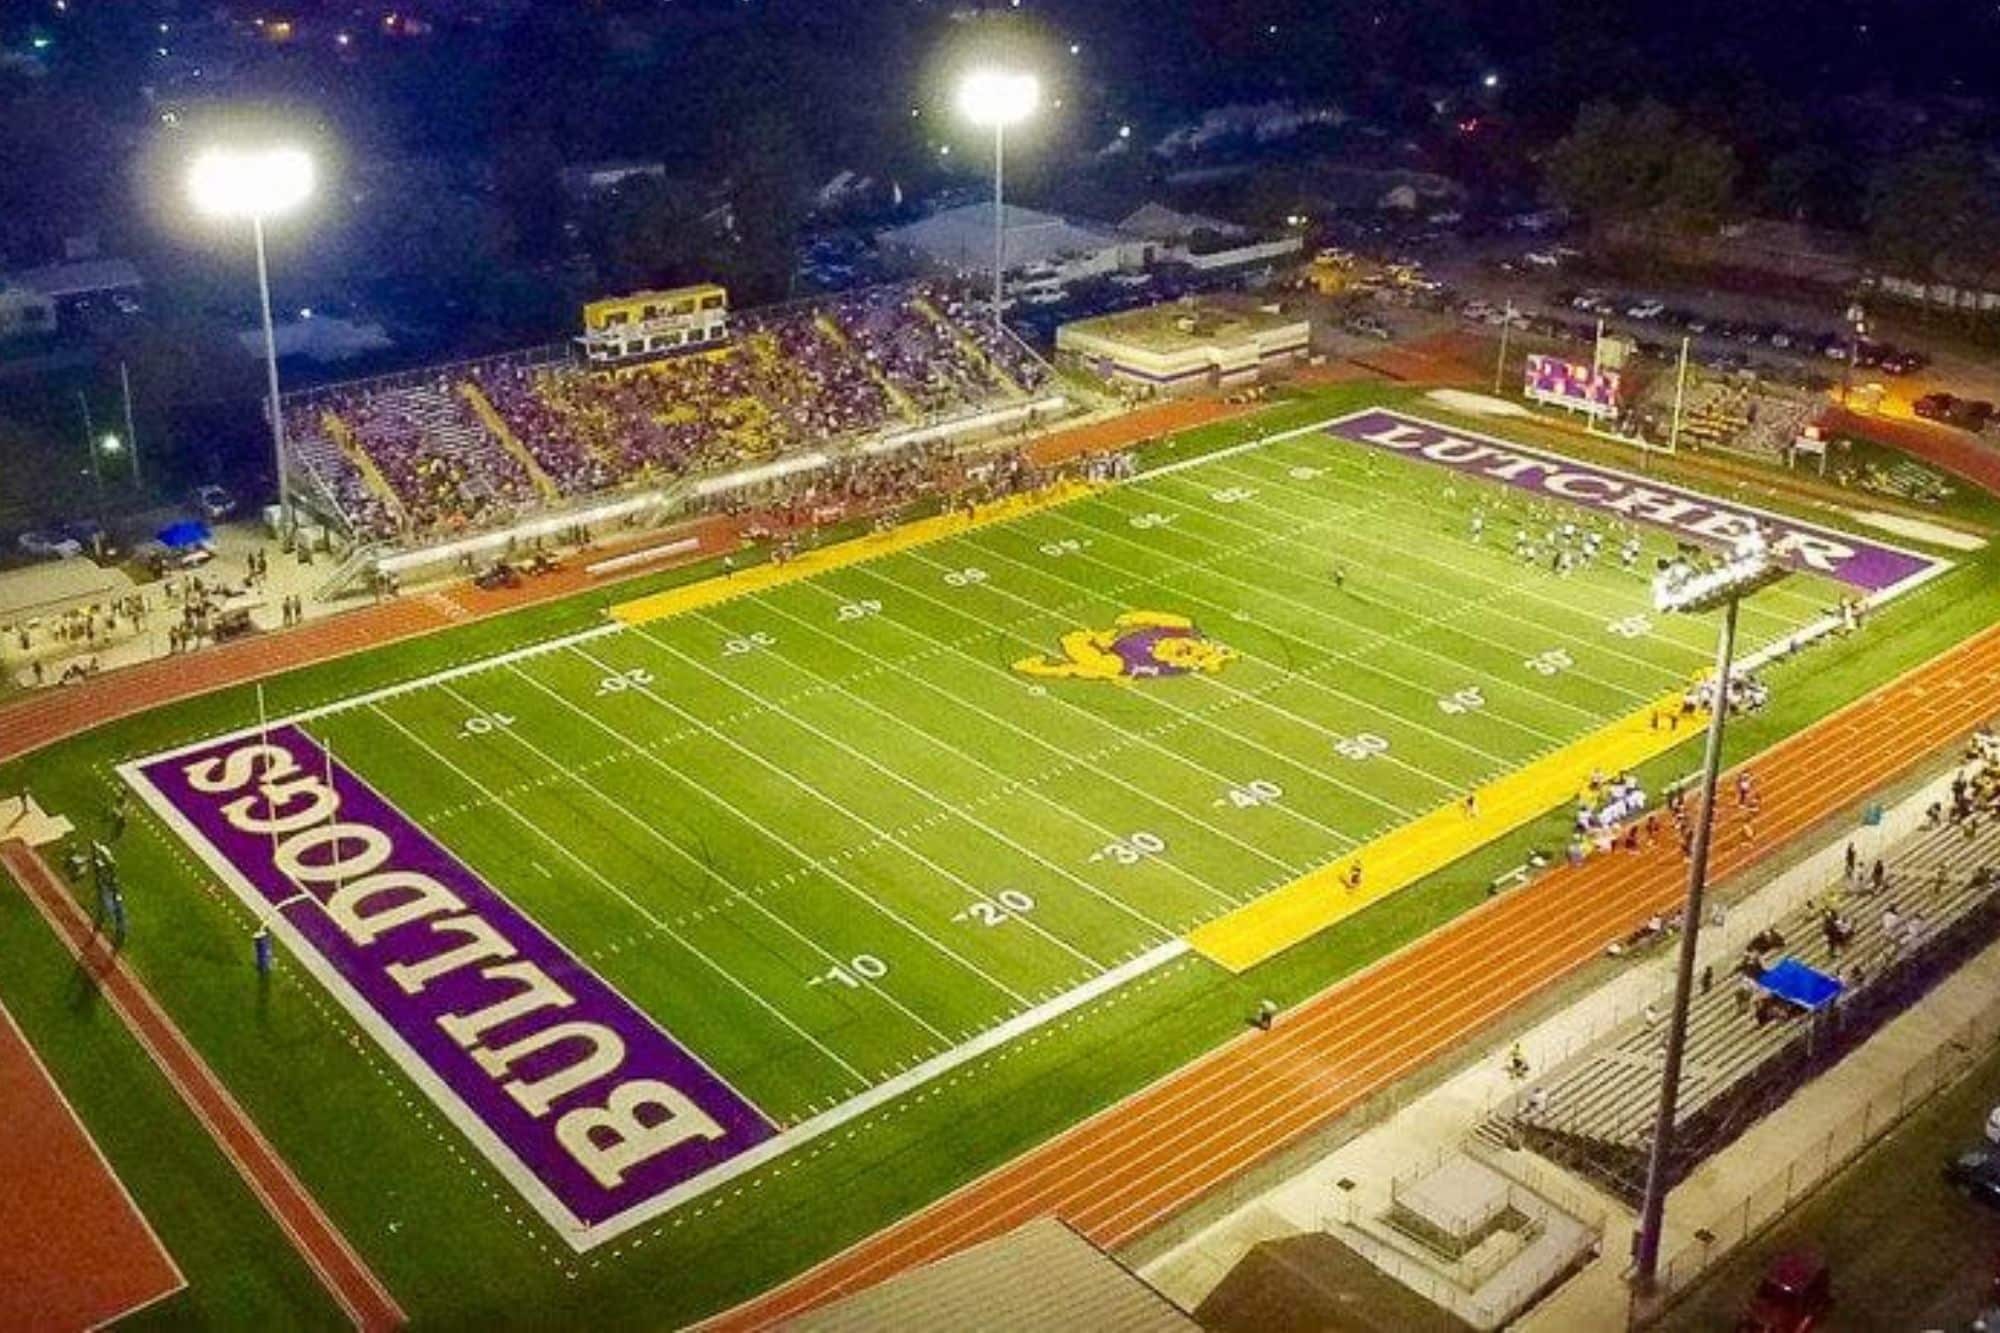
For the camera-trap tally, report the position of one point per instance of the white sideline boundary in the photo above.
(581, 1238)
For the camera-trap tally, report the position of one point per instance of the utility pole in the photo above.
(131, 435)
(96, 476)
(1500, 366)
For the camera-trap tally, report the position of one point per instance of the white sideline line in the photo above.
(583, 1239)
(376, 696)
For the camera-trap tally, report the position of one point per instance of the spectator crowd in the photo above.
(463, 449)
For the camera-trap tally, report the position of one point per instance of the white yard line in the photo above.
(1938, 563)
(1200, 718)
(1386, 568)
(616, 892)
(1357, 657)
(1354, 656)
(1124, 740)
(1378, 639)
(700, 865)
(1153, 699)
(1223, 781)
(887, 1091)
(974, 761)
(786, 775)
(1752, 609)
(943, 806)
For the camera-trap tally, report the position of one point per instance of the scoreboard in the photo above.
(1572, 385)
(623, 329)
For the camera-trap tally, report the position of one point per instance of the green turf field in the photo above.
(828, 833)
(851, 768)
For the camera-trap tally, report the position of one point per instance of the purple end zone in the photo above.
(590, 1099)
(1853, 560)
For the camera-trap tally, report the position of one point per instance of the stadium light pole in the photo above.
(1683, 588)
(999, 98)
(253, 185)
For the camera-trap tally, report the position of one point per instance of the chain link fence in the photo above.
(1774, 1196)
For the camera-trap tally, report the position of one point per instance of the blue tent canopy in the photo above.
(179, 536)
(1795, 983)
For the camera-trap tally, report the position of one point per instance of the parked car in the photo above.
(51, 545)
(1794, 1296)
(1647, 308)
(214, 502)
(1975, 1173)
(1543, 259)
(1972, 413)
(1935, 406)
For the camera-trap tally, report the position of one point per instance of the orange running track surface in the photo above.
(339, 1267)
(75, 1251)
(1124, 1171)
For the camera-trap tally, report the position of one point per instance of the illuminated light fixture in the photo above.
(1683, 585)
(256, 184)
(998, 97)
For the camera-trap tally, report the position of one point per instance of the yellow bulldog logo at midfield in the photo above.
(1139, 645)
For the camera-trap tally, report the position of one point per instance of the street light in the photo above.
(235, 185)
(1685, 587)
(998, 98)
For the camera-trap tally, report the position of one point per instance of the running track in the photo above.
(75, 1252)
(344, 1274)
(1123, 1172)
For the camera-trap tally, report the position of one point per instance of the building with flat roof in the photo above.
(1188, 345)
(962, 239)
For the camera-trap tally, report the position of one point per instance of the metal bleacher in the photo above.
(1596, 1112)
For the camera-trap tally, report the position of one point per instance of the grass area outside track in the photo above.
(178, 1178)
(445, 1232)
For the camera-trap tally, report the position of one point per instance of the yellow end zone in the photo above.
(1289, 915)
(762, 578)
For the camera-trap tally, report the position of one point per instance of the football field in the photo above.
(837, 833)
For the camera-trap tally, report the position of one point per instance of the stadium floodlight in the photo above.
(1692, 586)
(243, 184)
(999, 98)
(1684, 585)
(236, 185)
